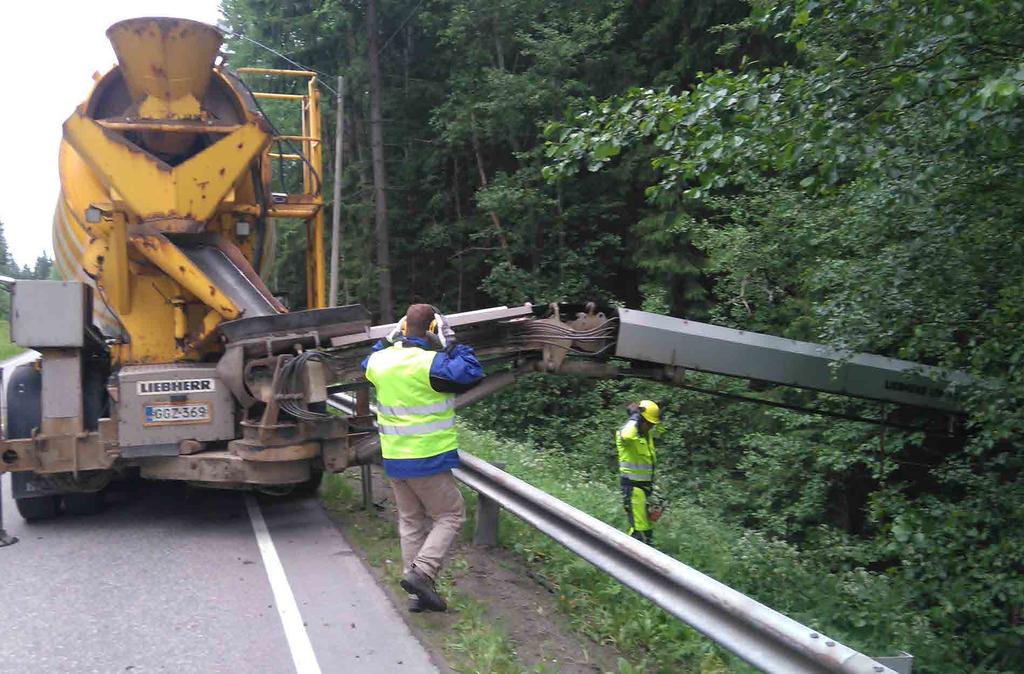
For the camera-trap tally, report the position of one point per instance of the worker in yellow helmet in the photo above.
(637, 459)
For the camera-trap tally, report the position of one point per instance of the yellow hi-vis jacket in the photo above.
(636, 452)
(414, 420)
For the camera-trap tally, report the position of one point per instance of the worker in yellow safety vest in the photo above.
(637, 461)
(417, 370)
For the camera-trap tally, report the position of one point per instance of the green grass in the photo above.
(7, 348)
(866, 611)
(470, 640)
(596, 605)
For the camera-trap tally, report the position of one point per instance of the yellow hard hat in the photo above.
(649, 410)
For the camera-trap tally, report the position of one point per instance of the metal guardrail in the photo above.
(760, 635)
(754, 632)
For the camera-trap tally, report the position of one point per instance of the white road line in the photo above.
(298, 640)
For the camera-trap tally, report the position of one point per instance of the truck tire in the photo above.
(83, 502)
(38, 507)
(24, 414)
(310, 486)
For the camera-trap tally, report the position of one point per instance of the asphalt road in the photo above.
(168, 579)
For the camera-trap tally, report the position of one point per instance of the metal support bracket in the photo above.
(901, 664)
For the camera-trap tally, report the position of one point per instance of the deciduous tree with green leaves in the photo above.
(868, 193)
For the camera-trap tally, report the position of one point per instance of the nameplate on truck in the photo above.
(176, 413)
(171, 386)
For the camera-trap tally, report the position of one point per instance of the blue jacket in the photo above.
(452, 371)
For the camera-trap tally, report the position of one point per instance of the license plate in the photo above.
(181, 413)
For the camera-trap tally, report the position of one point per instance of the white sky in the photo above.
(49, 50)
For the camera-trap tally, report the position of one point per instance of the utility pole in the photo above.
(380, 201)
(339, 127)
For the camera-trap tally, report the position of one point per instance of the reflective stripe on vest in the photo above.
(419, 409)
(414, 420)
(421, 429)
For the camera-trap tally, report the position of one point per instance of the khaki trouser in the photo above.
(430, 513)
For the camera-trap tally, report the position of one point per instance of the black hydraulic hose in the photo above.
(795, 408)
(256, 171)
(290, 389)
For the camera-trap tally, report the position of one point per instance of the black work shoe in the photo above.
(420, 584)
(414, 604)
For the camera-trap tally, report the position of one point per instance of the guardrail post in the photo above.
(366, 475)
(365, 472)
(485, 532)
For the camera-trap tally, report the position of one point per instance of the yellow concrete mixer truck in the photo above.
(164, 223)
(164, 355)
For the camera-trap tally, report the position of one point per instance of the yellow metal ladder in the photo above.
(307, 206)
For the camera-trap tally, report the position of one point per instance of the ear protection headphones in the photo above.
(439, 326)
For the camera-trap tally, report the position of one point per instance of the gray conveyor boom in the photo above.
(677, 342)
(654, 339)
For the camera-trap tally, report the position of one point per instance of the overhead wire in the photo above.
(321, 82)
(796, 408)
(400, 27)
(301, 66)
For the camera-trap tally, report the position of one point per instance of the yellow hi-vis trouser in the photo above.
(634, 502)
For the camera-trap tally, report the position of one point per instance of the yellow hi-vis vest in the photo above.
(414, 420)
(636, 453)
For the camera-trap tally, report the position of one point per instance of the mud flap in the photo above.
(24, 411)
(26, 484)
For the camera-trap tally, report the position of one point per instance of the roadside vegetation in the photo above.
(849, 173)
(867, 611)
(7, 348)
(43, 269)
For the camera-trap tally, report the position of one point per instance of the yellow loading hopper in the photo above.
(166, 64)
(164, 163)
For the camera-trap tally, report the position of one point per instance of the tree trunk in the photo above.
(380, 201)
(483, 183)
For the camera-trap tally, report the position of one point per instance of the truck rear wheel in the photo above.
(24, 413)
(310, 486)
(84, 503)
(38, 508)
